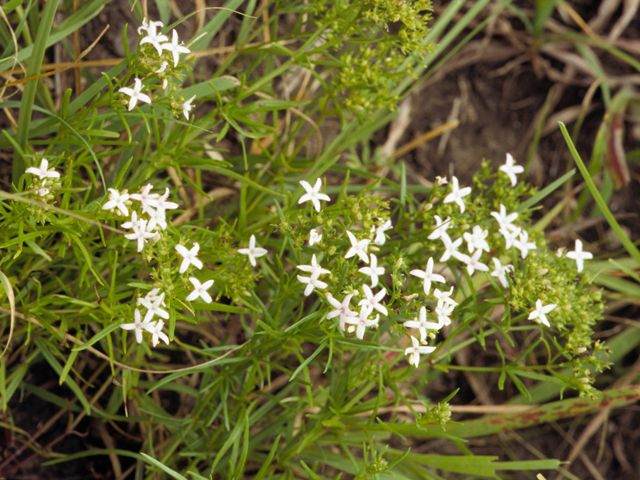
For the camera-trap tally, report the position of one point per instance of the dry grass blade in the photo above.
(12, 309)
(425, 137)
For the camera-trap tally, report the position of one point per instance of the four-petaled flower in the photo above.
(505, 221)
(189, 257)
(116, 200)
(200, 290)
(314, 269)
(313, 194)
(362, 321)
(135, 94)
(428, 276)
(444, 297)
(145, 198)
(187, 107)
(477, 239)
(422, 324)
(314, 237)
(161, 202)
(579, 255)
(451, 249)
(372, 302)
(457, 193)
(140, 233)
(415, 351)
(253, 252)
(511, 169)
(473, 263)
(312, 282)
(341, 309)
(153, 308)
(175, 48)
(441, 228)
(373, 270)
(380, 236)
(358, 247)
(523, 244)
(138, 325)
(540, 313)
(155, 329)
(501, 271)
(43, 171)
(153, 38)
(134, 222)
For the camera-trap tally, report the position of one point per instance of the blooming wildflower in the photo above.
(444, 297)
(157, 217)
(443, 311)
(161, 203)
(415, 351)
(175, 49)
(358, 247)
(510, 236)
(501, 272)
(146, 26)
(380, 237)
(163, 67)
(341, 309)
(511, 169)
(116, 200)
(457, 193)
(189, 257)
(153, 38)
(579, 256)
(473, 263)
(540, 313)
(200, 290)
(314, 269)
(187, 107)
(153, 308)
(523, 244)
(313, 194)
(362, 321)
(43, 171)
(145, 198)
(312, 282)
(451, 249)
(138, 325)
(314, 237)
(373, 270)
(505, 221)
(135, 94)
(441, 228)
(155, 329)
(477, 239)
(428, 276)
(372, 302)
(152, 296)
(134, 222)
(253, 252)
(422, 325)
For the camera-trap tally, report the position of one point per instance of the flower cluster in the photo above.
(44, 181)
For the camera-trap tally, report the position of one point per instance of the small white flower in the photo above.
(200, 290)
(145, 198)
(511, 169)
(373, 270)
(474, 263)
(441, 228)
(175, 48)
(441, 180)
(151, 296)
(135, 94)
(415, 351)
(422, 324)
(312, 282)
(146, 26)
(155, 329)
(187, 107)
(380, 236)
(140, 233)
(138, 325)
(457, 194)
(43, 191)
(253, 252)
(313, 194)
(161, 202)
(443, 310)
(314, 237)
(501, 272)
(505, 221)
(523, 244)
(428, 276)
(444, 297)
(153, 308)
(43, 171)
(372, 302)
(358, 247)
(451, 249)
(163, 67)
(156, 217)
(314, 269)
(341, 309)
(579, 256)
(510, 236)
(117, 200)
(189, 257)
(362, 321)
(153, 38)
(134, 222)
(540, 313)
(477, 239)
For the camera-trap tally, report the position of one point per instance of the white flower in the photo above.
(422, 325)
(200, 290)
(175, 49)
(314, 237)
(510, 236)
(153, 38)
(358, 247)
(140, 233)
(312, 282)
(457, 193)
(372, 302)
(313, 194)
(523, 244)
(117, 200)
(362, 321)
(156, 217)
(155, 329)
(134, 222)
(441, 228)
(135, 94)
(441, 180)
(187, 107)
(152, 296)
(415, 351)
(501, 272)
(163, 67)
(161, 203)
(43, 171)
(146, 26)
(428, 276)
(511, 169)
(505, 221)
(473, 263)
(138, 325)
(314, 269)
(451, 249)
(189, 257)
(380, 236)
(153, 308)
(443, 310)
(540, 313)
(43, 191)
(373, 270)
(444, 297)
(145, 198)
(477, 239)
(341, 309)
(253, 252)
(579, 256)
